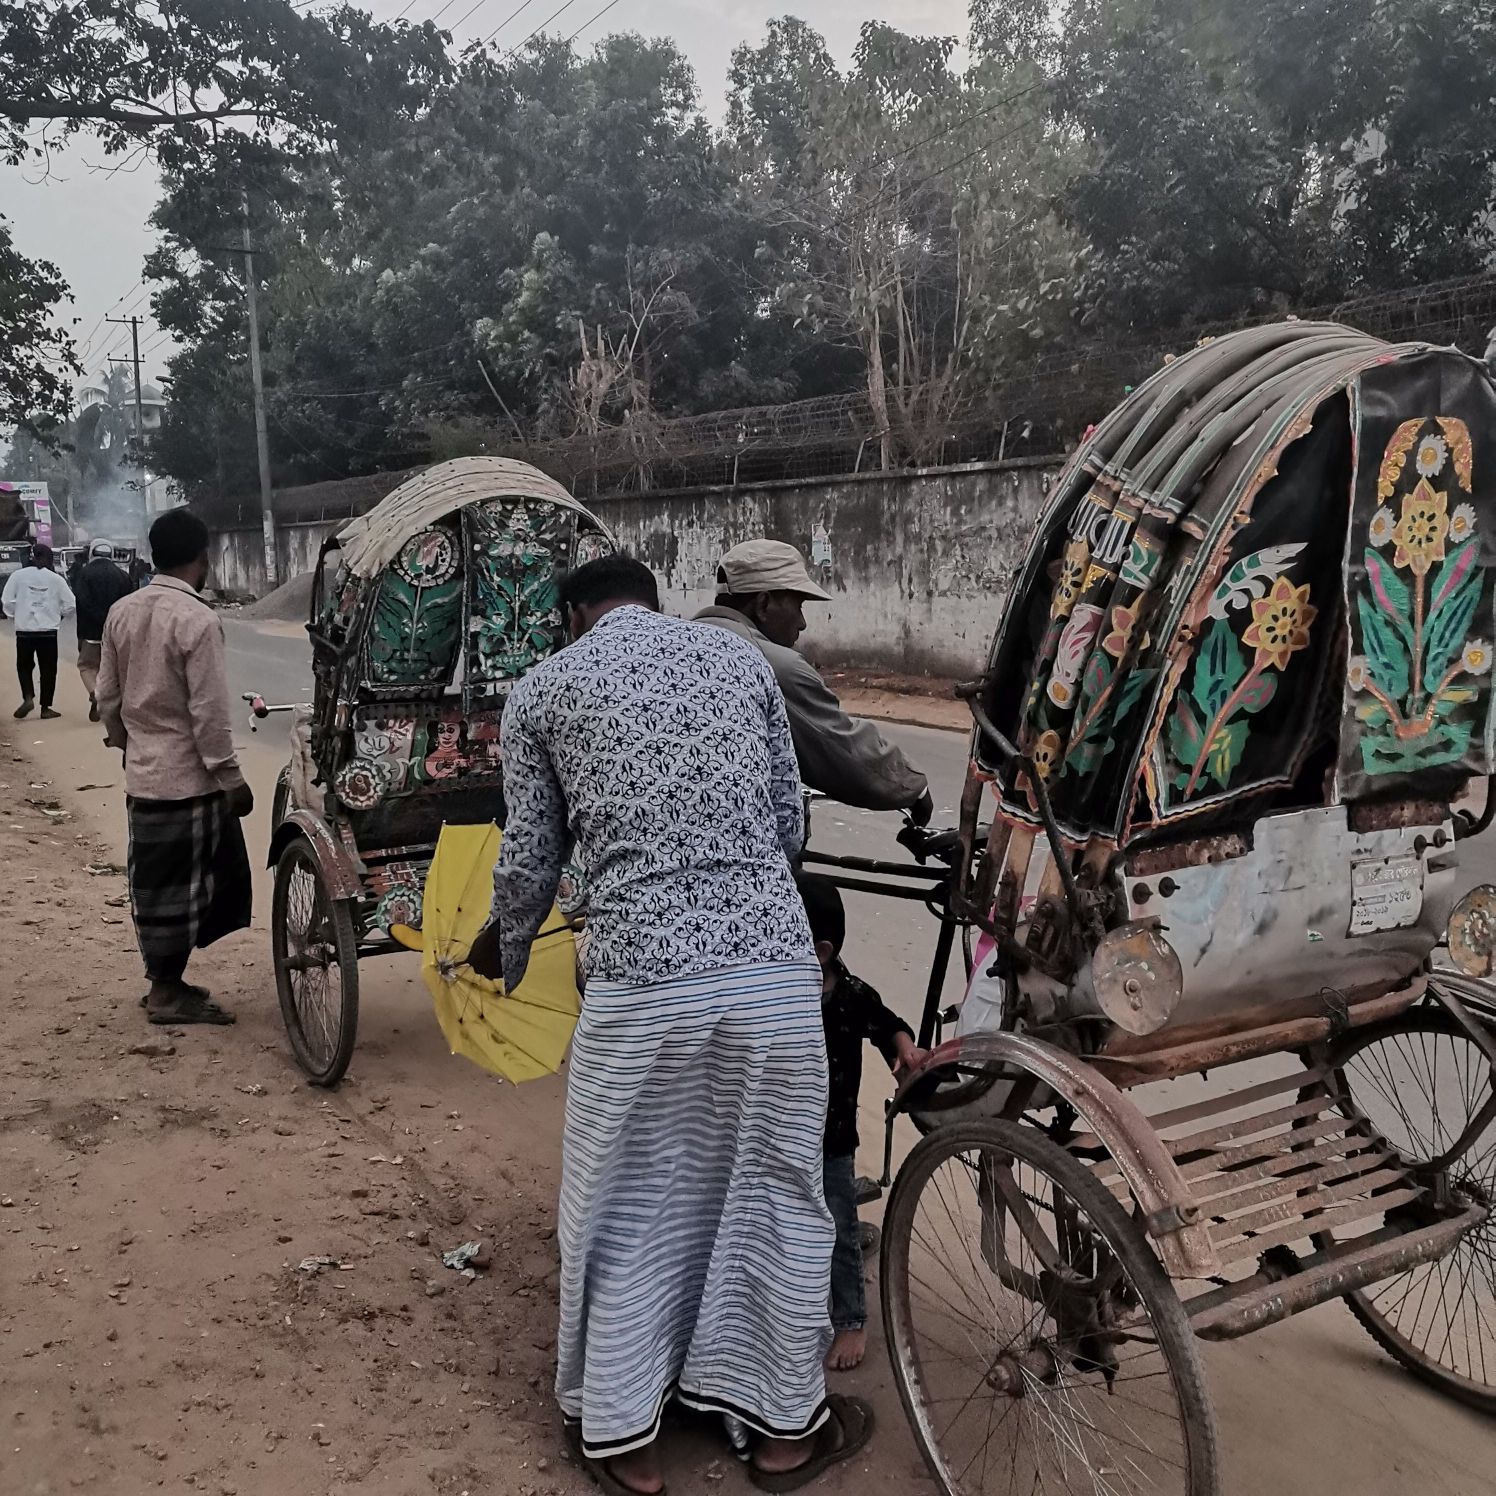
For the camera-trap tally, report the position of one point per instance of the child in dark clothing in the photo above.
(852, 1012)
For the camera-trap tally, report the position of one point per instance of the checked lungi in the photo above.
(695, 1238)
(189, 878)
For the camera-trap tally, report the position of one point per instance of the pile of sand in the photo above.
(289, 603)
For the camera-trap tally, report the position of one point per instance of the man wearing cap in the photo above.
(762, 586)
(101, 583)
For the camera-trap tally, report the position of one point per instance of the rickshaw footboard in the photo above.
(1286, 1166)
(1330, 1273)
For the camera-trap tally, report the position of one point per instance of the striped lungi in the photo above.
(695, 1238)
(189, 875)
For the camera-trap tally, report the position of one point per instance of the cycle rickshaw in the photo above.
(1239, 699)
(424, 614)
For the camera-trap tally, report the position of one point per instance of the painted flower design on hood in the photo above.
(1280, 623)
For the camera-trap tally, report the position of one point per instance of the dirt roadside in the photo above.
(216, 1278)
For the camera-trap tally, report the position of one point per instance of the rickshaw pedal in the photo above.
(866, 1190)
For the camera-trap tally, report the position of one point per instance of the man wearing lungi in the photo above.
(164, 699)
(695, 1239)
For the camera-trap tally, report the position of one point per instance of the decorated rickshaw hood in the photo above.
(1263, 580)
(373, 540)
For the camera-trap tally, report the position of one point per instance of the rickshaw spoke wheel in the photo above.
(1037, 1344)
(316, 965)
(1420, 1080)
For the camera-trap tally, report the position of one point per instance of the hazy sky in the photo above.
(93, 225)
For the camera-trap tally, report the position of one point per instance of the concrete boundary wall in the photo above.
(918, 563)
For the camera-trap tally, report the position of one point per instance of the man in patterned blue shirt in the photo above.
(695, 1239)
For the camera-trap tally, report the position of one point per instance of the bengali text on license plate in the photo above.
(1386, 895)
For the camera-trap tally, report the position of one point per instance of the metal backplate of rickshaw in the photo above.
(1311, 904)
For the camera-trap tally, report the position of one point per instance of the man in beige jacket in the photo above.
(164, 698)
(762, 587)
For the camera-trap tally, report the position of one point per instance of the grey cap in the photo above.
(101, 548)
(767, 566)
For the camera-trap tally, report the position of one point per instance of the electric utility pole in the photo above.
(262, 436)
(133, 323)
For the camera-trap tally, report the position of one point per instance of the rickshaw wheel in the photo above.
(1037, 1344)
(316, 965)
(1419, 1079)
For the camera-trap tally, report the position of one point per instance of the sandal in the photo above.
(199, 994)
(845, 1432)
(598, 1469)
(199, 1010)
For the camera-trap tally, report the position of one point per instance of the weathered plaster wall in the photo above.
(918, 563)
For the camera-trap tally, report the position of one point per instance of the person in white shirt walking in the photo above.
(38, 599)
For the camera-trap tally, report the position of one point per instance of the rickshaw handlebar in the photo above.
(259, 708)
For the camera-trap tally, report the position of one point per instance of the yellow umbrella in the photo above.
(519, 1035)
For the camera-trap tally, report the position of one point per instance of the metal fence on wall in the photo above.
(1039, 411)
(1042, 409)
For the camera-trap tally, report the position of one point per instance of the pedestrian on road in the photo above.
(164, 698)
(762, 588)
(101, 583)
(38, 599)
(694, 1234)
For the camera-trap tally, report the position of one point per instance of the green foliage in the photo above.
(1251, 158)
(1449, 626)
(38, 354)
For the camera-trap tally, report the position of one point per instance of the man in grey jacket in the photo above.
(762, 586)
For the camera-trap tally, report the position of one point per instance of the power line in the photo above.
(522, 6)
(585, 24)
(565, 6)
(94, 330)
(471, 10)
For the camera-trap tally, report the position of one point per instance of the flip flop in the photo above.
(598, 1469)
(845, 1432)
(201, 1011)
(200, 993)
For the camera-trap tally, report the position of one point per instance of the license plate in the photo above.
(1386, 894)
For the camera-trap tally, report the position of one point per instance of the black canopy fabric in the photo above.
(1417, 700)
(1175, 650)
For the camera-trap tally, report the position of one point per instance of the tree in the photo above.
(38, 360)
(168, 73)
(910, 213)
(438, 278)
(1252, 159)
(194, 81)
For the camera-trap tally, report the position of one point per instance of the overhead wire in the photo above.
(522, 6)
(563, 7)
(585, 24)
(471, 10)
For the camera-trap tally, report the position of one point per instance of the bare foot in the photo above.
(847, 1350)
(639, 1470)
